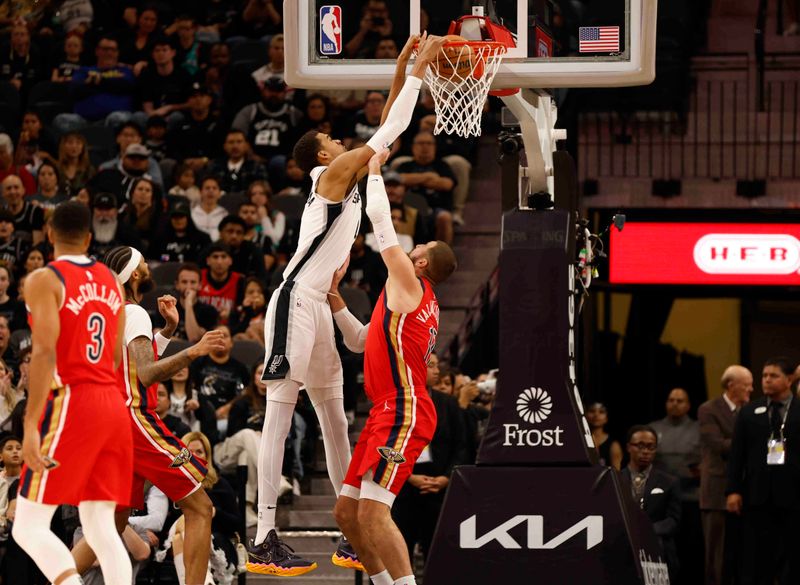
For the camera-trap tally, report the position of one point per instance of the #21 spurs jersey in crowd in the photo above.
(327, 232)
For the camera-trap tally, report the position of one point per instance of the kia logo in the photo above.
(747, 254)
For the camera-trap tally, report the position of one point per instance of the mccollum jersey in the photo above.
(327, 232)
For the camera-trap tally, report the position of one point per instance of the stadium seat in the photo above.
(418, 202)
(248, 352)
(290, 205)
(49, 99)
(175, 346)
(102, 142)
(357, 302)
(165, 274)
(250, 53)
(9, 108)
(232, 201)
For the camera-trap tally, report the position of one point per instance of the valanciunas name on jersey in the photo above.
(431, 309)
(91, 291)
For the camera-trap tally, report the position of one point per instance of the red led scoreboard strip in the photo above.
(705, 253)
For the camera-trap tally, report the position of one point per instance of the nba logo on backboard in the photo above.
(330, 30)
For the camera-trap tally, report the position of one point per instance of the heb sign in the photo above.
(706, 253)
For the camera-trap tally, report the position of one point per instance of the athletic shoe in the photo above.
(274, 557)
(346, 557)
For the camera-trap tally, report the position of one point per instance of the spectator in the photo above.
(217, 75)
(476, 415)
(49, 193)
(12, 309)
(28, 218)
(679, 443)
(11, 458)
(33, 260)
(131, 133)
(183, 399)
(271, 222)
(121, 179)
(137, 47)
(107, 230)
(245, 422)
(656, 492)
(6, 351)
(9, 397)
(366, 269)
(248, 258)
(8, 168)
(271, 125)
(375, 25)
(387, 49)
(20, 62)
(185, 187)
(225, 520)
(178, 240)
(366, 121)
(36, 143)
(419, 502)
(220, 286)
(190, 54)
(70, 61)
(432, 178)
(143, 213)
(197, 139)
(275, 66)
(407, 219)
(318, 113)
(12, 249)
(247, 321)
(208, 213)
(608, 450)
(764, 479)
(163, 406)
(164, 86)
(155, 137)
(260, 18)
(73, 163)
(716, 418)
(102, 92)
(236, 169)
(220, 379)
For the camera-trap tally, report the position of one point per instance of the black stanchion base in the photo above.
(543, 525)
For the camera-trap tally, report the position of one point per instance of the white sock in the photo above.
(382, 578)
(180, 569)
(97, 519)
(407, 580)
(333, 423)
(277, 422)
(32, 532)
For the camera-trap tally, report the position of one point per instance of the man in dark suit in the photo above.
(716, 419)
(657, 493)
(764, 479)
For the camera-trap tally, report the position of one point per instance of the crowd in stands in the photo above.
(173, 122)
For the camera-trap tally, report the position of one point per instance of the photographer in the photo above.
(475, 399)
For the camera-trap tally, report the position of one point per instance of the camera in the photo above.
(378, 21)
(488, 386)
(510, 142)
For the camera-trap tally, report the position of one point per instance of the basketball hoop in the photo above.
(459, 82)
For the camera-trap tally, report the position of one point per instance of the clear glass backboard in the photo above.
(559, 43)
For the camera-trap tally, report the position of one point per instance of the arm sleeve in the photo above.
(380, 213)
(399, 115)
(137, 323)
(353, 331)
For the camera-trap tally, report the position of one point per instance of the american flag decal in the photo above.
(598, 39)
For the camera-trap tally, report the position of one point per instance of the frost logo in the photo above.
(534, 405)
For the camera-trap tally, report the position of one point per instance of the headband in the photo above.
(125, 274)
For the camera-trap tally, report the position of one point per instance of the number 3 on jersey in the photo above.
(96, 326)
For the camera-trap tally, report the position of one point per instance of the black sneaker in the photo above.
(346, 557)
(273, 557)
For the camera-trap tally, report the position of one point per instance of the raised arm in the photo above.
(400, 74)
(354, 332)
(403, 289)
(43, 299)
(150, 370)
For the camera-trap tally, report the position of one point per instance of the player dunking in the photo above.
(298, 332)
(77, 445)
(158, 456)
(401, 423)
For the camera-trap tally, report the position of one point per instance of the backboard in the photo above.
(559, 43)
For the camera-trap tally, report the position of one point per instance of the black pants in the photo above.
(770, 547)
(416, 515)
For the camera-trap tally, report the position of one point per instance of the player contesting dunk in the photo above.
(298, 331)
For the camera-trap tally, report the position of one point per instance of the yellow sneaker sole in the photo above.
(346, 563)
(272, 569)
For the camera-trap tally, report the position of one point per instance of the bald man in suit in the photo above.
(716, 418)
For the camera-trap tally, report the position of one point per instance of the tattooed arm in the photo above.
(149, 370)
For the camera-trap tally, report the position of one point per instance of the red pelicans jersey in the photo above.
(399, 344)
(89, 318)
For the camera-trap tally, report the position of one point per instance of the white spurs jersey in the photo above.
(327, 232)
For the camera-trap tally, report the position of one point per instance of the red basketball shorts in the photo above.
(162, 459)
(399, 427)
(85, 431)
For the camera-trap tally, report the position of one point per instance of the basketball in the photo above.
(460, 60)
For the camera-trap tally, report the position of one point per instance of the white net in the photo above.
(459, 82)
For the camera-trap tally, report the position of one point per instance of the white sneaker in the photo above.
(458, 219)
(296, 487)
(285, 487)
(250, 516)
